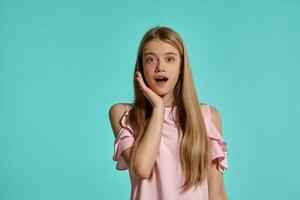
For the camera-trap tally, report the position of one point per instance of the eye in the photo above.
(149, 59)
(170, 59)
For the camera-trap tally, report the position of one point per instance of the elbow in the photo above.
(143, 175)
(142, 172)
(143, 167)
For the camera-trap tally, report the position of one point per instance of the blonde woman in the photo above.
(170, 143)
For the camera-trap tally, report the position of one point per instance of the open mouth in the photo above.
(161, 81)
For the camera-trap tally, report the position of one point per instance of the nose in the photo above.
(159, 66)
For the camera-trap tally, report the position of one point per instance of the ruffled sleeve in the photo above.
(123, 141)
(218, 145)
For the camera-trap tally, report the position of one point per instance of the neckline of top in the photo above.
(168, 107)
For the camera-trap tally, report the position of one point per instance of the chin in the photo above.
(161, 92)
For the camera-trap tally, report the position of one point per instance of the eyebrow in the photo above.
(167, 53)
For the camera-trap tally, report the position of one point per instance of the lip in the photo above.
(160, 76)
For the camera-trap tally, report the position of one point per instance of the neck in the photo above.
(168, 100)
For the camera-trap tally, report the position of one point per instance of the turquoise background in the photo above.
(64, 63)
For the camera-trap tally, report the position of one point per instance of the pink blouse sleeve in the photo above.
(123, 141)
(218, 145)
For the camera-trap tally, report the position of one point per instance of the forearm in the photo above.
(148, 147)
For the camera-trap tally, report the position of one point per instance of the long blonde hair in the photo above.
(194, 154)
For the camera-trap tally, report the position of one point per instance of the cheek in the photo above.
(175, 68)
(175, 75)
(147, 76)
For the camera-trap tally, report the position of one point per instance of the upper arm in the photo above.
(215, 177)
(116, 112)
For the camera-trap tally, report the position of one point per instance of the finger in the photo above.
(138, 80)
(141, 81)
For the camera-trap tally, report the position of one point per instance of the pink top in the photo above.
(167, 175)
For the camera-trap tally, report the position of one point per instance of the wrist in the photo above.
(159, 108)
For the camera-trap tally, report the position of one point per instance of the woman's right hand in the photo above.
(153, 98)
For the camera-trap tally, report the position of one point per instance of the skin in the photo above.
(161, 58)
(216, 187)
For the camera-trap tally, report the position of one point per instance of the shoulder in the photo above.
(116, 111)
(117, 107)
(214, 112)
(215, 115)
(216, 118)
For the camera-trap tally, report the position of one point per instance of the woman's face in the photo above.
(161, 66)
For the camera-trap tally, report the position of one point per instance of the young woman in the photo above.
(170, 143)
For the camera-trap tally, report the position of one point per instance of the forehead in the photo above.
(159, 47)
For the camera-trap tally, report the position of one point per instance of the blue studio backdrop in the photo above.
(64, 63)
